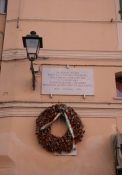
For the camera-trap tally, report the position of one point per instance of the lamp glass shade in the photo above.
(32, 45)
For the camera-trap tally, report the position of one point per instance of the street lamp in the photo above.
(32, 42)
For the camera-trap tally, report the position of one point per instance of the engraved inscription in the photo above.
(67, 81)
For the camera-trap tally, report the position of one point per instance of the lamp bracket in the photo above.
(33, 75)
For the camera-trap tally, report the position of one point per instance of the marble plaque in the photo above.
(67, 81)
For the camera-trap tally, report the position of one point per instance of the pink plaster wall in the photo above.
(80, 32)
(56, 9)
(22, 89)
(22, 153)
(94, 152)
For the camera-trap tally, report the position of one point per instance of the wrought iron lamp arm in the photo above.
(33, 75)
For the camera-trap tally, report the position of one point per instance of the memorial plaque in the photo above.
(67, 81)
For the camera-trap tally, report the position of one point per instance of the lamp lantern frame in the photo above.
(32, 42)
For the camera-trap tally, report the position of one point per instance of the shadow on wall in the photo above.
(7, 166)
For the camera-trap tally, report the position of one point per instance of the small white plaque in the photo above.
(67, 81)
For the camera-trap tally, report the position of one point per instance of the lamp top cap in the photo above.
(33, 33)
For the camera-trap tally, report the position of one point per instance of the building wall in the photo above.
(70, 25)
(75, 33)
(2, 28)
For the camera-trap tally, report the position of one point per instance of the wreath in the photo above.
(73, 135)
